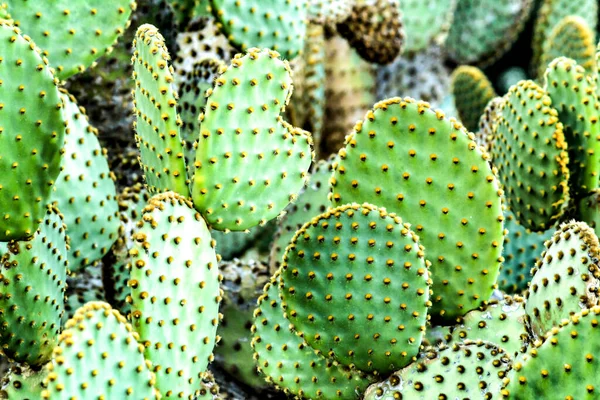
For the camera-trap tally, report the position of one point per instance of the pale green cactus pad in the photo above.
(72, 34)
(250, 163)
(23, 383)
(426, 22)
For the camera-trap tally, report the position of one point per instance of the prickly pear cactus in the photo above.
(250, 163)
(564, 366)
(31, 134)
(529, 150)
(353, 274)
(158, 124)
(289, 363)
(23, 383)
(565, 279)
(175, 293)
(487, 124)
(427, 169)
(426, 22)
(72, 34)
(467, 371)
(34, 277)
(94, 342)
(328, 12)
(573, 94)
(85, 192)
(472, 92)
(279, 25)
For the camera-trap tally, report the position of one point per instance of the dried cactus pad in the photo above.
(292, 365)
(249, 162)
(529, 150)
(31, 134)
(275, 24)
(94, 342)
(157, 126)
(34, 275)
(428, 170)
(355, 285)
(565, 366)
(175, 293)
(566, 278)
(72, 34)
(473, 370)
(84, 191)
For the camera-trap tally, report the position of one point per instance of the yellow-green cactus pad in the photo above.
(426, 168)
(158, 124)
(565, 279)
(573, 94)
(72, 34)
(565, 366)
(356, 287)
(98, 356)
(250, 163)
(472, 92)
(175, 293)
(84, 191)
(31, 134)
(279, 25)
(426, 22)
(23, 383)
(473, 370)
(530, 152)
(34, 277)
(290, 364)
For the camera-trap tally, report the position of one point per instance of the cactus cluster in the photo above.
(270, 199)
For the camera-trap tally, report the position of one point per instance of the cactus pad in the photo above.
(158, 137)
(31, 134)
(426, 22)
(328, 12)
(84, 191)
(72, 34)
(34, 277)
(529, 150)
(275, 24)
(403, 156)
(250, 163)
(469, 371)
(22, 383)
(565, 279)
(175, 293)
(355, 285)
(472, 92)
(94, 342)
(292, 365)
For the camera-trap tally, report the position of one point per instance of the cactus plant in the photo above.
(472, 92)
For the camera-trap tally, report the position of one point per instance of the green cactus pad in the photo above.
(589, 210)
(242, 285)
(83, 287)
(522, 249)
(421, 75)
(426, 22)
(472, 92)
(157, 126)
(355, 285)
(374, 29)
(500, 322)
(275, 24)
(565, 279)
(84, 191)
(488, 123)
(95, 341)
(473, 370)
(72, 34)
(4, 15)
(34, 276)
(289, 363)
(565, 366)
(572, 38)
(311, 202)
(550, 14)
(175, 293)
(250, 163)
(328, 12)
(31, 134)
(529, 150)
(573, 94)
(413, 161)
(485, 30)
(23, 383)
